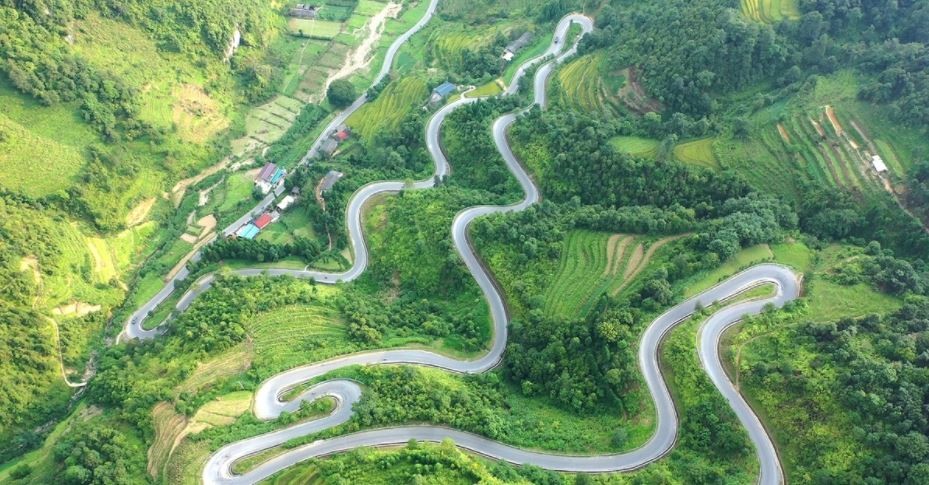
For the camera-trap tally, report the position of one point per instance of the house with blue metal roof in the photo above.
(248, 231)
(442, 91)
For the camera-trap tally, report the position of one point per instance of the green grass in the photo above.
(770, 11)
(636, 146)
(294, 223)
(697, 152)
(315, 29)
(741, 260)
(386, 112)
(487, 90)
(33, 165)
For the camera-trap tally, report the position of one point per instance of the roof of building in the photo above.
(878, 163)
(444, 89)
(329, 146)
(286, 202)
(278, 175)
(519, 43)
(263, 220)
(248, 231)
(507, 55)
(329, 180)
(267, 172)
(342, 135)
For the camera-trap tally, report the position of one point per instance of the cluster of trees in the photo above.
(579, 364)
(341, 93)
(882, 380)
(570, 154)
(917, 194)
(834, 216)
(404, 395)
(38, 63)
(261, 251)
(884, 271)
(370, 319)
(94, 452)
(473, 153)
(686, 51)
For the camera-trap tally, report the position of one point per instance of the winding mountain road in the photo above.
(268, 404)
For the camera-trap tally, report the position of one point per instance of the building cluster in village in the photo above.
(270, 178)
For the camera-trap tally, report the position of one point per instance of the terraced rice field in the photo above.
(582, 85)
(267, 123)
(636, 146)
(448, 44)
(770, 11)
(594, 264)
(168, 426)
(297, 334)
(397, 100)
(697, 152)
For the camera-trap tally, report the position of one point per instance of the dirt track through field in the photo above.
(639, 261)
(616, 248)
(830, 113)
(783, 131)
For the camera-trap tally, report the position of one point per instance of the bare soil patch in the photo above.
(140, 212)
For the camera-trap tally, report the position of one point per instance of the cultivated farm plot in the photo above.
(583, 86)
(267, 123)
(818, 146)
(387, 111)
(314, 29)
(296, 335)
(697, 152)
(770, 11)
(597, 263)
(636, 146)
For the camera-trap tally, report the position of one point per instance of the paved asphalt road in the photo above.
(269, 406)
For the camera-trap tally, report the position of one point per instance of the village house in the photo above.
(303, 11)
(328, 147)
(331, 144)
(441, 92)
(248, 231)
(270, 177)
(285, 203)
(517, 45)
(878, 164)
(262, 221)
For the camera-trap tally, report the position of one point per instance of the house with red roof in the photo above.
(263, 220)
